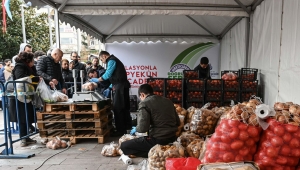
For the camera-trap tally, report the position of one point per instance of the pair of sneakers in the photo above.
(27, 141)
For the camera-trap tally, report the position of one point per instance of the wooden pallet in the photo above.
(73, 114)
(71, 106)
(74, 128)
(73, 124)
(81, 135)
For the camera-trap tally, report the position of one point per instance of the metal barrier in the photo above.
(8, 152)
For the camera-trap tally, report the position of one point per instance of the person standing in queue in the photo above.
(24, 67)
(49, 69)
(157, 115)
(203, 68)
(116, 74)
(77, 64)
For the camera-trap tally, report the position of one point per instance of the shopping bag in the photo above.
(189, 163)
(59, 96)
(44, 91)
(37, 101)
(25, 89)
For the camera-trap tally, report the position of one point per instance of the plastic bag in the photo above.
(203, 122)
(182, 163)
(180, 127)
(27, 87)
(158, 154)
(279, 146)
(141, 166)
(89, 86)
(191, 111)
(195, 148)
(45, 93)
(187, 137)
(37, 101)
(233, 141)
(126, 137)
(110, 150)
(230, 76)
(59, 96)
(56, 143)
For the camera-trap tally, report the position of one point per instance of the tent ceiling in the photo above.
(164, 20)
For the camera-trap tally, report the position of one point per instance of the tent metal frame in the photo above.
(175, 6)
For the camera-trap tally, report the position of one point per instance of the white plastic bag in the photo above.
(59, 96)
(29, 89)
(45, 92)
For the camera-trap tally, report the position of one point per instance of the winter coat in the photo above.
(204, 73)
(80, 66)
(2, 78)
(48, 69)
(22, 70)
(158, 116)
(7, 72)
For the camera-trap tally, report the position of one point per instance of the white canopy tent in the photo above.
(152, 20)
(263, 37)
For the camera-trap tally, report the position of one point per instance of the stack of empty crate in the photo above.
(76, 120)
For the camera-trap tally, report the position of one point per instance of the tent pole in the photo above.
(57, 34)
(247, 63)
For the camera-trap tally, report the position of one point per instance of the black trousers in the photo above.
(141, 146)
(121, 108)
(122, 120)
(23, 129)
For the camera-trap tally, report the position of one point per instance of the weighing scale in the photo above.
(84, 96)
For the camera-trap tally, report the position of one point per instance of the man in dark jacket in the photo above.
(203, 68)
(157, 116)
(77, 65)
(95, 65)
(49, 68)
(117, 75)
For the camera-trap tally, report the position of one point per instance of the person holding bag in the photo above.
(24, 67)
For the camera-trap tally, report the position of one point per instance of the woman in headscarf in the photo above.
(24, 67)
